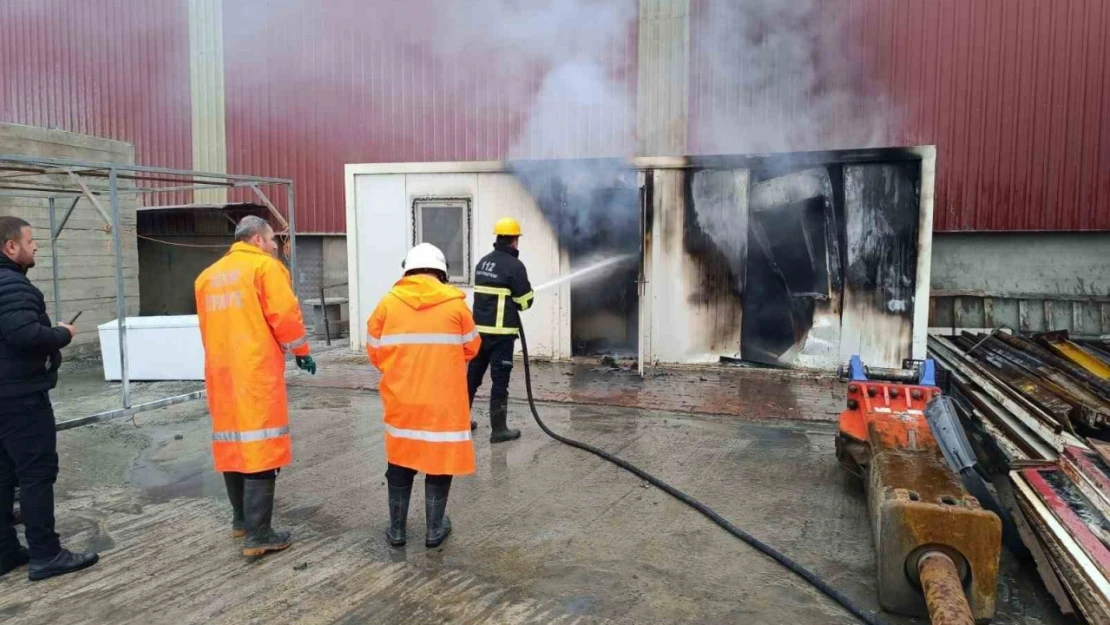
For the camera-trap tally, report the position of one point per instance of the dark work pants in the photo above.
(29, 459)
(402, 477)
(496, 354)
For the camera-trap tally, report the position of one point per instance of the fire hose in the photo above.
(705, 510)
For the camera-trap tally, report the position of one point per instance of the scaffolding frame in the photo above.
(36, 177)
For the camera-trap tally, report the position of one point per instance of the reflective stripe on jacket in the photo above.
(249, 317)
(501, 290)
(421, 336)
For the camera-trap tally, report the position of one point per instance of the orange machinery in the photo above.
(937, 549)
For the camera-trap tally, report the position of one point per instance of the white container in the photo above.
(158, 348)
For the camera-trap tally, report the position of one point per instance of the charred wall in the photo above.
(881, 222)
(715, 238)
(820, 260)
(594, 209)
(782, 261)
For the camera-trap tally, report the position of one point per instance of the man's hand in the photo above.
(72, 329)
(307, 363)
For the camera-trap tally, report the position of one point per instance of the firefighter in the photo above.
(420, 336)
(249, 318)
(501, 291)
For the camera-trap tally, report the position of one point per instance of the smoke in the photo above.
(592, 205)
(780, 76)
(566, 62)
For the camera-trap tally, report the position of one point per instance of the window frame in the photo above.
(464, 203)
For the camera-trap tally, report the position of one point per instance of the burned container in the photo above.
(790, 260)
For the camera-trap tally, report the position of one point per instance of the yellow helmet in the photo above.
(507, 226)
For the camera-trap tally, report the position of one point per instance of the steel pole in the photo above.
(65, 218)
(54, 264)
(121, 295)
(324, 312)
(292, 236)
(124, 412)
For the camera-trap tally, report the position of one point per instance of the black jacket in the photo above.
(30, 347)
(500, 285)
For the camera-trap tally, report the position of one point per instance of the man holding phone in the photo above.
(30, 354)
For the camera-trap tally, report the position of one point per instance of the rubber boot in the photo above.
(234, 483)
(473, 423)
(498, 420)
(11, 561)
(435, 511)
(258, 511)
(398, 514)
(65, 562)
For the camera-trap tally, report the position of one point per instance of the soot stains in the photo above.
(882, 203)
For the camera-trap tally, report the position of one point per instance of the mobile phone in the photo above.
(74, 320)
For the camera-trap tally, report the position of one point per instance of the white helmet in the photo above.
(425, 256)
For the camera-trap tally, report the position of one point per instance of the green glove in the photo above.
(307, 363)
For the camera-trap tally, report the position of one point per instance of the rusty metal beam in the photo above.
(1017, 378)
(1013, 402)
(1096, 384)
(1077, 355)
(270, 205)
(92, 198)
(1086, 405)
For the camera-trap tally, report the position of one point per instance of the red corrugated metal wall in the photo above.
(1015, 94)
(310, 90)
(112, 69)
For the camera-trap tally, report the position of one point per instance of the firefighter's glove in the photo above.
(307, 363)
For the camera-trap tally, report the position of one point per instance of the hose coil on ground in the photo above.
(706, 511)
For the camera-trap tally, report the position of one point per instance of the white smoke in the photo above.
(780, 76)
(566, 61)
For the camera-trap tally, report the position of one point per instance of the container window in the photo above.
(445, 223)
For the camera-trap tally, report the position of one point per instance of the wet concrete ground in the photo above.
(543, 533)
(716, 390)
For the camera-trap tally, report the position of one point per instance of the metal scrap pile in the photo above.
(1037, 408)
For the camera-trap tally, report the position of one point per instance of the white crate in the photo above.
(158, 348)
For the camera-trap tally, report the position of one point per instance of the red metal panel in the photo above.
(1013, 93)
(117, 70)
(309, 90)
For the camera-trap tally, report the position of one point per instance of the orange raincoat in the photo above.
(248, 317)
(421, 336)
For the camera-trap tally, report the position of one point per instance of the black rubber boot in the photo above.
(398, 514)
(12, 561)
(498, 420)
(258, 511)
(65, 562)
(473, 423)
(435, 511)
(234, 483)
